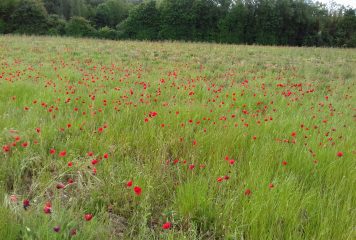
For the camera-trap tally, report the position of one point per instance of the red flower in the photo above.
(167, 225)
(62, 154)
(6, 148)
(106, 155)
(284, 163)
(47, 208)
(220, 179)
(294, 134)
(232, 161)
(38, 130)
(271, 185)
(152, 114)
(248, 192)
(70, 164)
(129, 183)
(191, 166)
(52, 151)
(88, 217)
(340, 154)
(94, 161)
(24, 144)
(26, 203)
(60, 186)
(137, 190)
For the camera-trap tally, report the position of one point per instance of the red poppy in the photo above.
(47, 208)
(129, 183)
(26, 203)
(88, 217)
(52, 151)
(167, 225)
(340, 154)
(137, 190)
(248, 192)
(63, 154)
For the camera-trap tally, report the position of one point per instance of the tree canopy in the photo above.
(266, 22)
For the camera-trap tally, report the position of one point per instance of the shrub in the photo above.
(79, 27)
(29, 17)
(107, 33)
(56, 25)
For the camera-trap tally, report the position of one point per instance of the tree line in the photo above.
(266, 22)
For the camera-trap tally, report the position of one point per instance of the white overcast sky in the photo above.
(351, 3)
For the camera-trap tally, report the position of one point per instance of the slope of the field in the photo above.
(141, 140)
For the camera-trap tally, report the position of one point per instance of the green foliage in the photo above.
(143, 22)
(111, 13)
(107, 33)
(56, 25)
(29, 17)
(2, 26)
(79, 27)
(265, 22)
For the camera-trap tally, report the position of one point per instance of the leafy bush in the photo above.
(56, 25)
(79, 27)
(143, 22)
(107, 33)
(2, 26)
(29, 17)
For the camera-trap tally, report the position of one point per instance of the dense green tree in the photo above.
(111, 13)
(143, 22)
(79, 27)
(267, 22)
(30, 17)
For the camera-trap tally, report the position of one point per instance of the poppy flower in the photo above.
(129, 183)
(167, 225)
(60, 186)
(137, 190)
(106, 155)
(63, 154)
(47, 208)
(340, 154)
(88, 217)
(52, 151)
(26, 203)
(6, 148)
(248, 192)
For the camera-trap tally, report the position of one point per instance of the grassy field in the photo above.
(141, 140)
